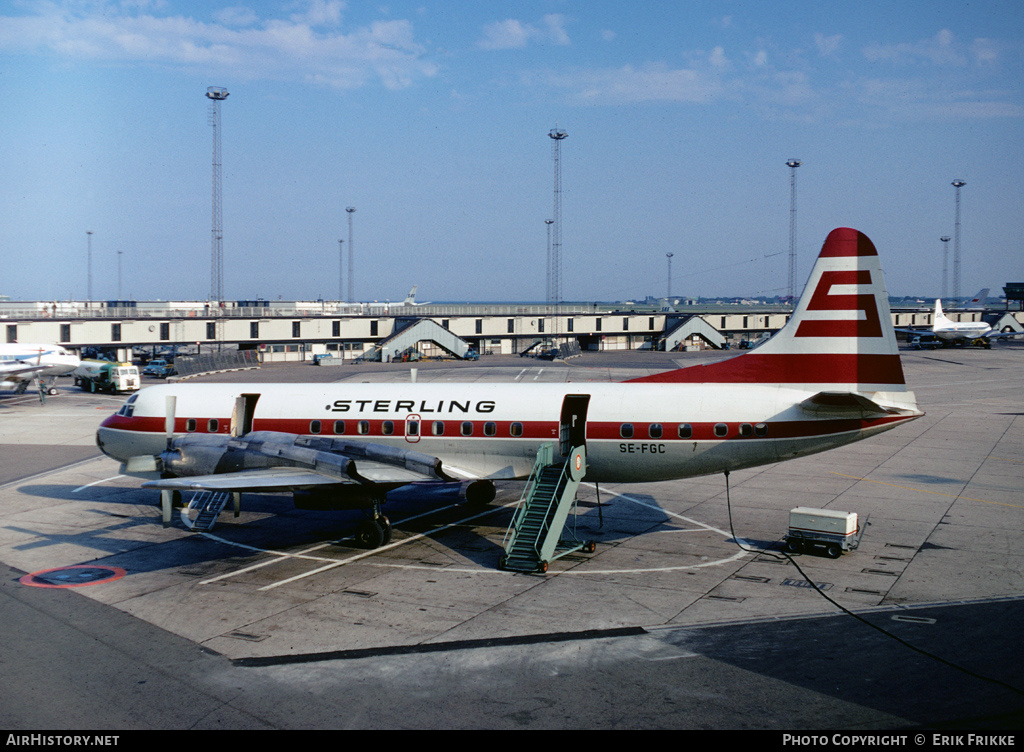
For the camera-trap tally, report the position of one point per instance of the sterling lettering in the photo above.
(411, 406)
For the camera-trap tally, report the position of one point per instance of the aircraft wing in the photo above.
(285, 479)
(268, 479)
(19, 369)
(301, 462)
(1003, 335)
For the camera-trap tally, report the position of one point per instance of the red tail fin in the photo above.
(839, 337)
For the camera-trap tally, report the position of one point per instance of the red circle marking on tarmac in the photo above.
(65, 577)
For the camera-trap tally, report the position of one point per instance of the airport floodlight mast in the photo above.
(945, 266)
(351, 252)
(216, 95)
(88, 265)
(668, 287)
(341, 266)
(958, 184)
(792, 164)
(555, 294)
(547, 288)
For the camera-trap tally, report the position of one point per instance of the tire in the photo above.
(833, 550)
(369, 534)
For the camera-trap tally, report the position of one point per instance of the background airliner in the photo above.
(21, 364)
(948, 331)
(831, 376)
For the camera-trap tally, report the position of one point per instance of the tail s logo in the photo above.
(842, 326)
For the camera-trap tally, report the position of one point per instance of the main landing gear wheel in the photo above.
(374, 533)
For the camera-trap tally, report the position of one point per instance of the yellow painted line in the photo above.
(935, 493)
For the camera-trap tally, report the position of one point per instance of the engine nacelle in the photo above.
(474, 492)
(208, 454)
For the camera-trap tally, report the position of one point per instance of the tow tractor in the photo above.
(827, 530)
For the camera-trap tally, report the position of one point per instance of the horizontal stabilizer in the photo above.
(835, 403)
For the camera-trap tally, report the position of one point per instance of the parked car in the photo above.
(159, 368)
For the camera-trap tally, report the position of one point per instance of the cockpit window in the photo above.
(128, 407)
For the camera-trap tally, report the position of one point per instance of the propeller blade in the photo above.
(171, 406)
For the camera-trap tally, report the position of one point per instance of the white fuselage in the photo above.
(23, 362)
(961, 330)
(947, 329)
(634, 432)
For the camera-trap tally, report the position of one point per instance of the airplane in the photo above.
(979, 300)
(831, 376)
(22, 364)
(410, 299)
(947, 332)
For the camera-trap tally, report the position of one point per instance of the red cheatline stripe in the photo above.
(789, 368)
(547, 430)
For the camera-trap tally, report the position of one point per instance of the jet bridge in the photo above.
(682, 330)
(411, 331)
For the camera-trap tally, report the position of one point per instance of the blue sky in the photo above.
(432, 119)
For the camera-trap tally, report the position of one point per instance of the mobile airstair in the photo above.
(538, 534)
(207, 506)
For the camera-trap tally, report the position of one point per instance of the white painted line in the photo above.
(331, 563)
(97, 482)
(396, 544)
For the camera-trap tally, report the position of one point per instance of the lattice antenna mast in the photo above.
(216, 95)
(958, 184)
(791, 287)
(548, 294)
(555, 292)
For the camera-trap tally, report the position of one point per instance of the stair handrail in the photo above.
(545, 457)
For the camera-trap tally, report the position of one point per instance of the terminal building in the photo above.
(304, 331)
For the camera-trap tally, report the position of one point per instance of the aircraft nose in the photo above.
(103, 441)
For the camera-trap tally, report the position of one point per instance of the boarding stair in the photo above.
(208, 506)
(538, 534)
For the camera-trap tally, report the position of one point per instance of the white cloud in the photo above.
(718, 58)
(827, 46)
(238, 42)
(985, 51)
(627, 84)
(942, 49)
(512, 34)
(320, 13)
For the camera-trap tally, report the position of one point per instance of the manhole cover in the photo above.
(78, 576)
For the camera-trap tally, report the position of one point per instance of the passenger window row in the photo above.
(685, 430)
(469, 428)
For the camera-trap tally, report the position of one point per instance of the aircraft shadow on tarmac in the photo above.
(945, 682)
(271, 521)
